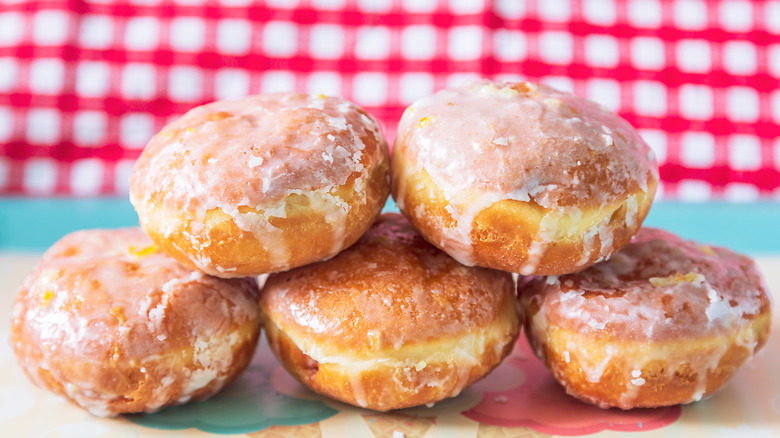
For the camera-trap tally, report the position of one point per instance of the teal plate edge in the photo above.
(33, 224)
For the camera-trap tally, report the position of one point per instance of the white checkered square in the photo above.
(418, 42)
(690, 14)
(43, 126)
(138, 81)
(415, 86)
(50, 28)
(373, 42)
(644, 13)
(326, 41)
(464, 7)
(142, 33)
(510, 9)
(234, 36)
(418, 6)
(375, 6)
(328, 4)
(8, 73)
(556, 47)
(96, 31)
(230, 83)
(694, 56)
(188, 34)
(606, 92)
(278, 81)
(698, 149)
(690, 190)
(324, 82)
(509, 45)
(185, 83)
(93, 78)
(742, 104)
(599, 12)
(736, 15)
(40, 176)
(280, 38)
(601, 51)
(135, 129)
(744, 152)
(89, 128)
(464, 43)
(554, 10)
(741, 192)
(47, 75)
(647, 53)
(86, 177)
(11, 28)
(739, 57)
(650, 98)
(370, 89)
(772, 16)
(696, 101)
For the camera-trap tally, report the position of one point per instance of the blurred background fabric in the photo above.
(84, 84)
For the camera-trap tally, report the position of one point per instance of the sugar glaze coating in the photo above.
(664, 321)
(228, 187)
(566, 164)
(111, 323)
(391, 322)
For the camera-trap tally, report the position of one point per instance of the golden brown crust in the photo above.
(391, 322)
(663, 322)
(384, 387)
(683, 371)
(223, 249)
(116, 326)
(503, 234)
(262, 184)
(520, 177)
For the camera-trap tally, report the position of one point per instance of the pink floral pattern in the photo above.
(522, 392)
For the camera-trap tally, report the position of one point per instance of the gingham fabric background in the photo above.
(84, 84)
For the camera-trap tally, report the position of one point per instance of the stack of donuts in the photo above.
(385, 311)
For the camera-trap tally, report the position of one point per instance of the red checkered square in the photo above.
(84, 85)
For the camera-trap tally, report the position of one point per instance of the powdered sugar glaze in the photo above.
(485, 142)
(528, 141)
(100, 300)
(256, 150)
(659, 287)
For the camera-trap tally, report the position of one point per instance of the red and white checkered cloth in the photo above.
(84, 84)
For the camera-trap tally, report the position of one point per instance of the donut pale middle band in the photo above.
(391, 322)
(520, 177)
(262, 184)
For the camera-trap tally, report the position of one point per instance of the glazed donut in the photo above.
(663, 322)
(262, 184)
(521, 177)
(115, 326)
(391, 322)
